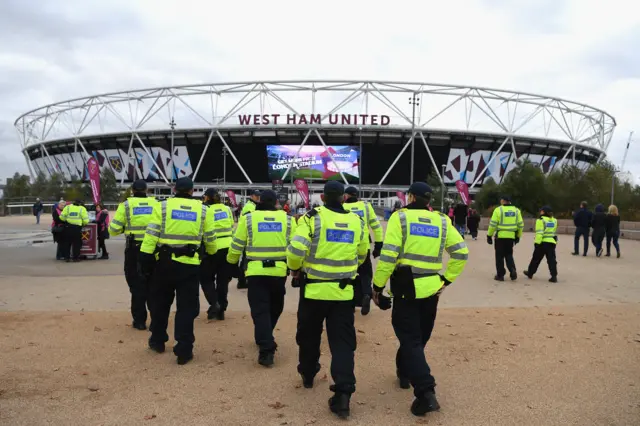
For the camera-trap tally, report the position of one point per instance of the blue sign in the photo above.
(509, 214)
(184, 215)
(269, 227)
(220, 216)
(358, 212)
(340, 236)
(421, 230)
(142, 210)
(550, 224)
(72, 214)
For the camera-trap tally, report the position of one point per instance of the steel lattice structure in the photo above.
(425, 112)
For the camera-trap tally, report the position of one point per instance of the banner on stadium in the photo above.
(303, 190)
(463, 190)
(94, 178)
(402, 197)
(232, 197)
(313, 162)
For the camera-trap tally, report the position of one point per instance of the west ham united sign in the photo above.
(303, 119)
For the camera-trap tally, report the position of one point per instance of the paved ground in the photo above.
(525, 352)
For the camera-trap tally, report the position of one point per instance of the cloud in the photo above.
(576, 49)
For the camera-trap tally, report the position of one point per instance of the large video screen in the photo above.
(313, 162)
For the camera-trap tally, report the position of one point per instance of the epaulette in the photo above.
(311, 213)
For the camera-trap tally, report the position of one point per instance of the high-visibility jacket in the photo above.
(507, 221)
(132, 217)
(366, 212)
(546, 230)
(263, 235)
(248, 207)
(75, 215)
(177, 223)
(329, 246)
(223, 219)
(418, 238)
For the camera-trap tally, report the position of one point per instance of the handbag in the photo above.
(57, 229)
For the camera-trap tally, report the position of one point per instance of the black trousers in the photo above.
(342, 340)
(364, 279)
(413, 322)
(102, 246)
(73, 240)
(541, 251)
(215, 275)
(138, 287)
(174, 279)
(613, 236)
(504, 254)
(242, 281)
(266, 300)
(584, 233)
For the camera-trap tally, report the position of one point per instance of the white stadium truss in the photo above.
(416, 107)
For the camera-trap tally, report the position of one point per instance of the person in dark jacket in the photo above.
(102, 216)
(612, 228)
(473, 223)
(460, 213)
(598, 223)
(582, 221)
(38, 207)
(58, 231)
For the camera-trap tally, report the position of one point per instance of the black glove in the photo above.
(489, 240)
(377, 248)
(234, 270)
(444, 280)
(146, 263)
(383, 302)
(296, 281)
(556, 238)
(517, 240)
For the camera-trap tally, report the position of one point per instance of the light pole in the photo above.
(360, 163)
(224, 168)
(624, 159)
(444, 167)
(172, 124)
(413, 101)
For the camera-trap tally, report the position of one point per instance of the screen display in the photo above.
(313, 162)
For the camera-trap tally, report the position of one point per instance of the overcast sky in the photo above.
(579, 49)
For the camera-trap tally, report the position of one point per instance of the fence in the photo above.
(17, 209)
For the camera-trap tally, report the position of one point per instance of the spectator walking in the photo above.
(582, 222)
(460, 213)
(102, 220)
(58, 231)
(598, 223)
(37, 210)
(612, 227)
(473, 223)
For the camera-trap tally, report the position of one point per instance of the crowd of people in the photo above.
(601, 225)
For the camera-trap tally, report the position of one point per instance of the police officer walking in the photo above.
(507, 225)
(324, 255)
(365, 271)
(75, 216)
(177, 228)
(412, 257)
(545, 244)
(215, 273)
(248, 207)
(132, 218)
(264, 235)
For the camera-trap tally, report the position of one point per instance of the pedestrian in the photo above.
(215, 272)
(75, 216)
(545, 244)
(507, 225)
(323, 256)
(582, 222)
(473, 223)
(362, 285)
(102, 221)
(131, 219)
(59, 232)
(599, 225)
(412, 258)
(613, 230)
(178, 226)
(37, 210)
(460, 213)
(264, 235)
(249, 206)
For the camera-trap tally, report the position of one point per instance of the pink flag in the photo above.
(463, 190)
(232, 197)
(94, 179)
(303, 190)
(401, 197)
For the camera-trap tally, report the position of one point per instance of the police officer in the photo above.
(545, 244)
(365, 271)
(248, 207)
(328, 246)
(215, 273)
(132, 218)
(507, 225)
(177, 228)
(412, 257)
(75, 216)
(264, 235)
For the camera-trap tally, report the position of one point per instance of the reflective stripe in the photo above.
(202, 219)
(236, 247)
(329, 275)
(179, 246)
(266, 249)
(315, 239)
(238, 242)
(297, 251)
(386, 258)
(403, 225)
(376, 226)
(180, 237)
(288, 237)
(420, 258)
(154, 226)
(459, 256)
(331, 262)
(443, 237)
(209, 234)
(153, 233)
(300, 239)
(222, 230)
(391, 247)
(249, 229)
(456, 247)
(264, 257)
(117, 222)
(136, 228)
(127, 213)
(417, 270)
(164, 215)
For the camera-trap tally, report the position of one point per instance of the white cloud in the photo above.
(575, 49)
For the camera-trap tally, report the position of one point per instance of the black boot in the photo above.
(266, 359)
(220, 315)
(425, 404)
(156, 347)
(527, 274)
(366, 304)
(513, 275)
(404, 383)
(139, 325)
(553, 279)
(183, 359)
(498, 278)
(339, 404)
(307, 380)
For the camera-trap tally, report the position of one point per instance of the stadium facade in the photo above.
(379, 134)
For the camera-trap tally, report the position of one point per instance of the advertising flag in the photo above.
(232, 197)
(402, 197)
(463, 190)
(303, 189)
(94, 178)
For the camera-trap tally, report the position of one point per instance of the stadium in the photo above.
(379, 135)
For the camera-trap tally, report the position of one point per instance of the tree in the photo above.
(17, 187)
(526, 186)
(109, 189)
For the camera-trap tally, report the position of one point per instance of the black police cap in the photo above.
(351, 190)
(139, 185)
(334, 187)
(268, 196)
(255, 192)
(546, 209)
(210, 192)
(184, 184)
(506, 198)
(420, 189)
